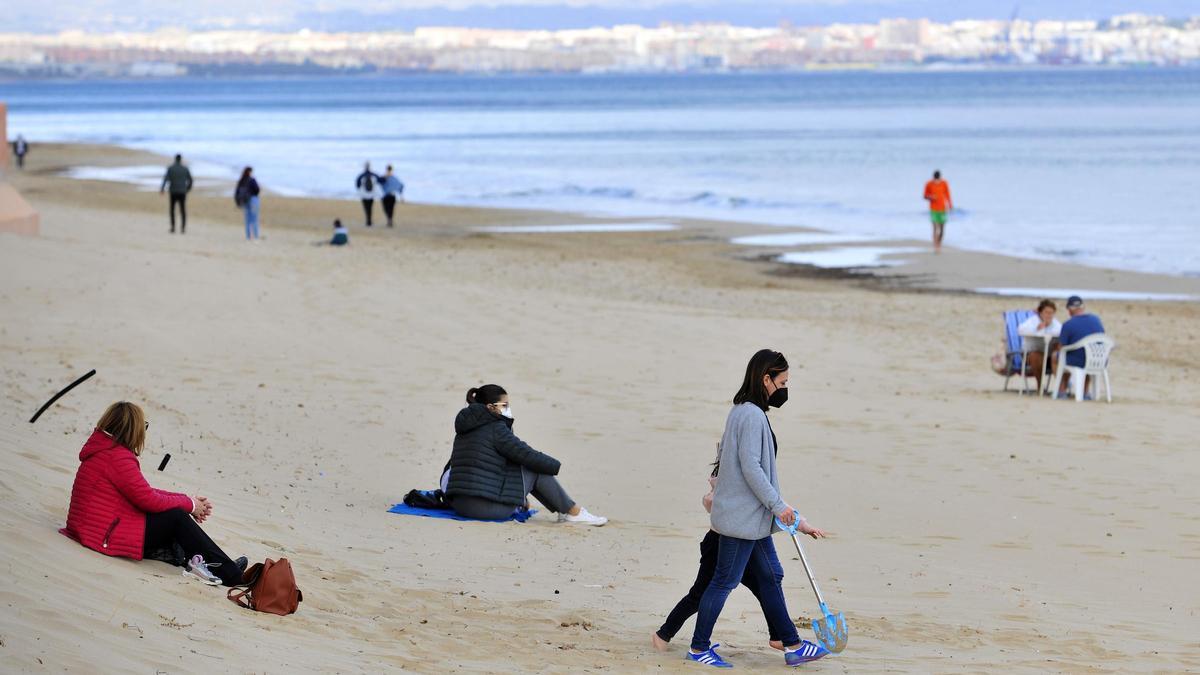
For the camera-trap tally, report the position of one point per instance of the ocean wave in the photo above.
(706, 198)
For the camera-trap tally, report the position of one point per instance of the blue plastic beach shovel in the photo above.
(829, 628)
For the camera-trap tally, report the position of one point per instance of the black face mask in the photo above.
(778, 398)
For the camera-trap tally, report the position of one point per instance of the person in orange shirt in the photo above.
(937, 193)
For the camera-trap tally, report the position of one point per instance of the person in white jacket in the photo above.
(1037, 333)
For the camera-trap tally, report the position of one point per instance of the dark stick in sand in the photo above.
(60, 394)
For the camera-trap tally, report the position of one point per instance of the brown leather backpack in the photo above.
(271, 587)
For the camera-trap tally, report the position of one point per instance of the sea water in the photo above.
(1100, 167)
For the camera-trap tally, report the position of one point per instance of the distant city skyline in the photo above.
(1124, 40)
(38, 16)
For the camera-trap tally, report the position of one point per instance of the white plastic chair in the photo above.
(1097, 347)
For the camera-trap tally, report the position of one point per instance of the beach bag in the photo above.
(268, 587)
(426, 499)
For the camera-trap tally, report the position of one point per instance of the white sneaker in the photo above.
(584, 518)
(196, 568)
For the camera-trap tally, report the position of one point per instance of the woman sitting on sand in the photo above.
(1036, 332)
(492, 471)
(746, 502)
(115, 511)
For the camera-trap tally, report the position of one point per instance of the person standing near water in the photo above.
(367, 184)
(179, 179)
(393, 189)
(937, 193)
(20, 149)
(746, 502)
(246, 197)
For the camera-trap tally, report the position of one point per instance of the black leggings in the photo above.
(368, 205)
(389, 207)
(690, 603)
(176, 526)
(180, 199)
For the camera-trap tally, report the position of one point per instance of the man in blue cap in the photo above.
(1080, 325)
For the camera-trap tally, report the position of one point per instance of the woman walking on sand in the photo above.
(246, 197)
(746, 502)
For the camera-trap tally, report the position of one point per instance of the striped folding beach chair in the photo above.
(1014, 353)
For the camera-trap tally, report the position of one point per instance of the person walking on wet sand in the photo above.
(20, 149)
(937, 193)
(367, 184)
(393, 189)
(246, 198)
(179, 179)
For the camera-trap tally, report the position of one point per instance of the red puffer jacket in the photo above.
(110, 499)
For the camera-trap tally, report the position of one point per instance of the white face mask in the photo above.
(507, 412)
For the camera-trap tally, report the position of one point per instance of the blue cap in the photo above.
(1074, 301)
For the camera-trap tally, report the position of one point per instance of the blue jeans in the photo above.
(251, 209)
(755, 559)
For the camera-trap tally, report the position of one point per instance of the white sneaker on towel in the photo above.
(584, 518)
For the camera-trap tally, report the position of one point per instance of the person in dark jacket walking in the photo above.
(20, 149)
(179, 179)
(246, 198)
(368, 185)
(492, 471)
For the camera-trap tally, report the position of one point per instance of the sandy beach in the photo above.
(305, 389)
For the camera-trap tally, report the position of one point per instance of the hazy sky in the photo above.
(355, 15)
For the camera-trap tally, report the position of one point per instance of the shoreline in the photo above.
(955, 271)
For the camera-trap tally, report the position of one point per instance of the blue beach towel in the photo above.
(406, 510)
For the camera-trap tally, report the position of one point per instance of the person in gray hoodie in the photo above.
(746, 502)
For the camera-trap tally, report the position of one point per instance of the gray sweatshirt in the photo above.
(746, 498)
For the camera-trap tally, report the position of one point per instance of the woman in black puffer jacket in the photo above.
(492, 471)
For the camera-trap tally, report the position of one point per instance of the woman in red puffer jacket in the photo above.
(116, 512)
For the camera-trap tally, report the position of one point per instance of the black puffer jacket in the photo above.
(487, 458)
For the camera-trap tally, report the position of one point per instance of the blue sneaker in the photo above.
(709, 658)
(807, 651)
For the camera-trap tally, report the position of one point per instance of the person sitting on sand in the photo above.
(341, 236)
(1080, 325)
(746, 503)
(492, 471)
(689, 604)
(1036, 332)
(114, 510)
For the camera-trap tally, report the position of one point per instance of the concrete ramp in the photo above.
(16, 215)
